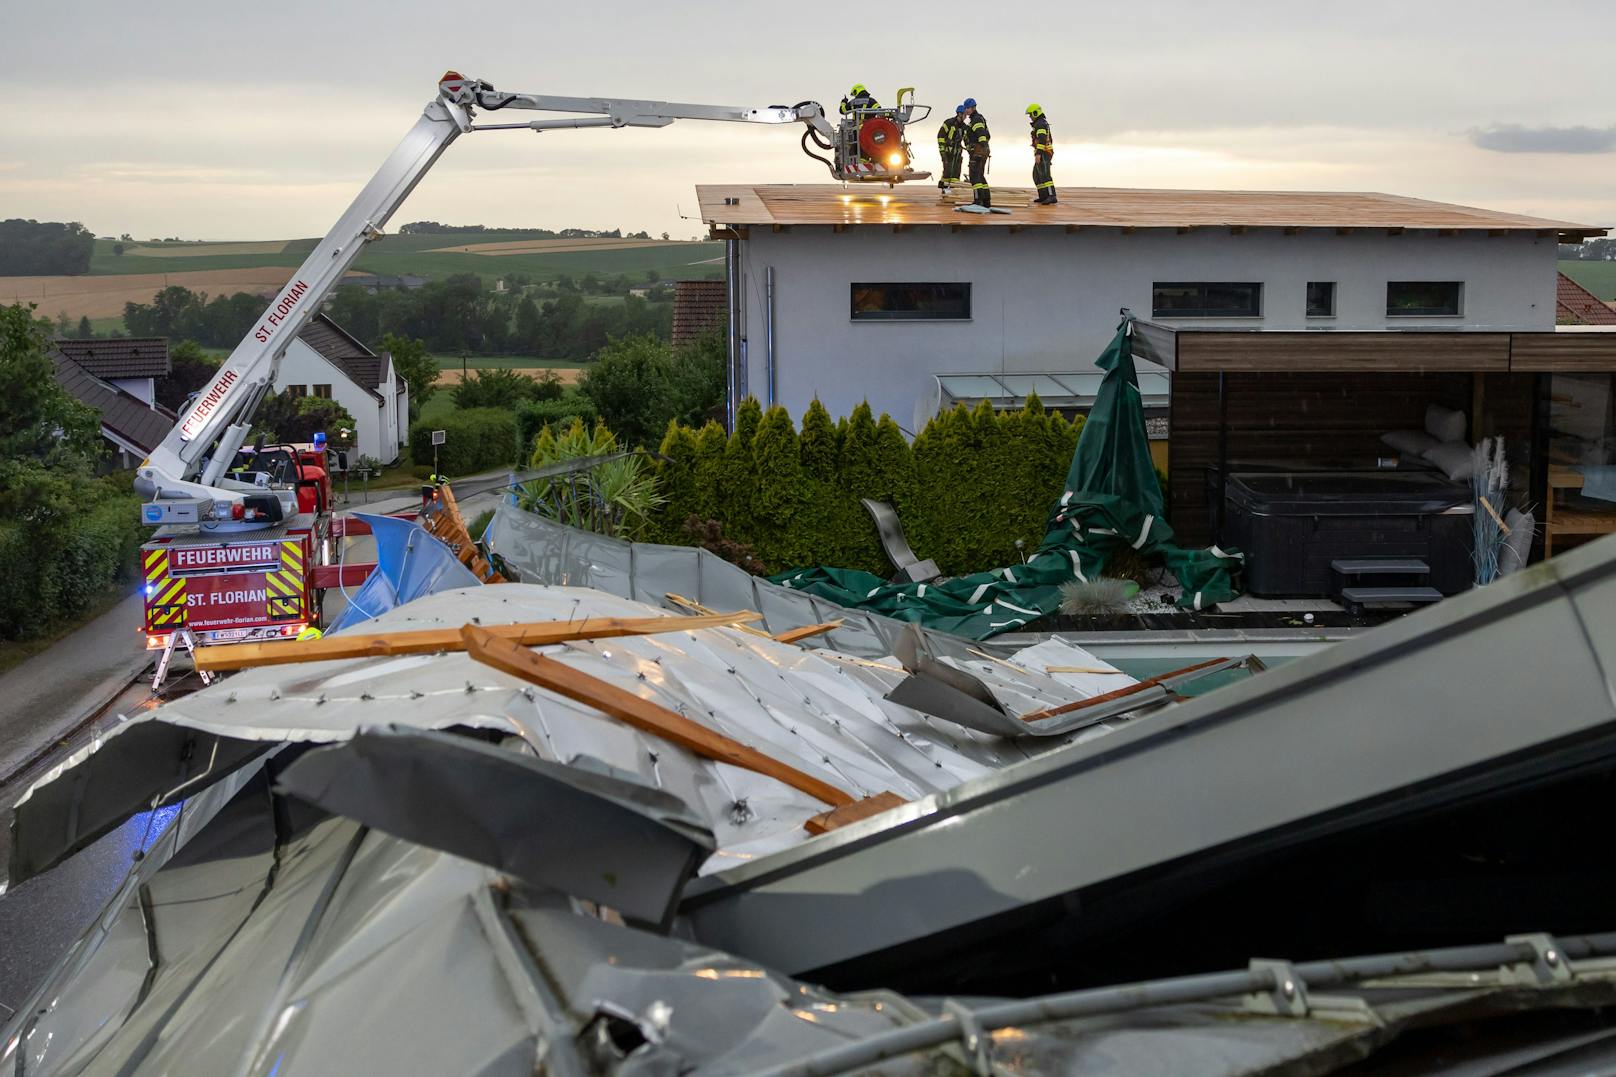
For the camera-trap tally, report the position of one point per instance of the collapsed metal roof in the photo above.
(425, 864)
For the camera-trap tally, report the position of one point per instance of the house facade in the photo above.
(325, 361)
(117, 378)
(1280, 330)
(845, 295)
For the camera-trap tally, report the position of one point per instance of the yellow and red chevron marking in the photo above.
(283, 588)
(292, 558)
(165, 605)
(154, 565)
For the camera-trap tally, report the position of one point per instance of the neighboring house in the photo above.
(132, 424)
(132, 364)
(1576, 305)
(325, 361)
(698, 307)
(1288, 329)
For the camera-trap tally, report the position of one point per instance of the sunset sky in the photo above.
(205, 121)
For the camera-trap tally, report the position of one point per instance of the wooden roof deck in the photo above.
(739, 206)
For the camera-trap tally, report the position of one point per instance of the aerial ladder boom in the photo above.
(185, 480)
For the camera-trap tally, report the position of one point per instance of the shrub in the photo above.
(296, 419)
(969, 487)
(56, 568)
(641, 383)
(477, 439)
(534, 415)
(496, 388)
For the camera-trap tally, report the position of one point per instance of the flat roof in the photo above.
(728, 206)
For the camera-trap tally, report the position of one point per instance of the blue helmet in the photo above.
(970, 102)
(959, 110)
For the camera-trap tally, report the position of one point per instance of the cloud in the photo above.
(1514, 138)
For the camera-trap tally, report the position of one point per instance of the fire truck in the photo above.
(237, 541)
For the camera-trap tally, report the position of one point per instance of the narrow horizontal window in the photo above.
(1321, 299)
(1199, 299)
(911, 302)
(1423, 298)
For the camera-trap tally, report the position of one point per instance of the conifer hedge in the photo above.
(972, 484)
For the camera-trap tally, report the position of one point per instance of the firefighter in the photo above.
(977, 148)
(1043, 155)
(858, 98)
(309, 633)
(950, 138)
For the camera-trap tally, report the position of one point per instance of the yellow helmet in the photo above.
(1035, 110)
(309, 633)
(858, 88)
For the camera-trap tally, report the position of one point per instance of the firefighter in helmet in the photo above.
(950, 144)
(857, 99)
(1043, 155)
(978, 148)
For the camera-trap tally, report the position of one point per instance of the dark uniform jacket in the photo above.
(1043, 139)
(976, 135)
(950, 135)
(858, 101)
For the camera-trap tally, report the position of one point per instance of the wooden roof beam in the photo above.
(438, 640)
(1073, 229)
(1291, 230)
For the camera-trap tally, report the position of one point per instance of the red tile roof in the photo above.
(698, 306)
(1576, 305)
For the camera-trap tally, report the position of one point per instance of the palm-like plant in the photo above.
(615, 497)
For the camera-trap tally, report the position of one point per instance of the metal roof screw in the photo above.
(231, 698)
(321, 701)
(416, 695)
(527, 694)
(640, 675)
(470, 688)
(365, 697)
(274, 694)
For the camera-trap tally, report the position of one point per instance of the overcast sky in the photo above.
(223, 121)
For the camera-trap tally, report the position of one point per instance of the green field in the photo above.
(413, 255)
(1598, 277)
(511, 362)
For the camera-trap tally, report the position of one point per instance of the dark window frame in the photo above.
(1428, 311)
(315, 391)
(1308, 300)
(1255, 310)
(916, 312)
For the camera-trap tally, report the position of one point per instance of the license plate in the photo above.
(228, 634)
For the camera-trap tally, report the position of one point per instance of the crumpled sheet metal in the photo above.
(293, 943)
(821, 712)
(543, 551)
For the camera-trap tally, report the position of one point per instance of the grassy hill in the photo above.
(1598, 277)
(424, 256)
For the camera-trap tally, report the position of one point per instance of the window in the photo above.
(297, 390)
(1206, 300)
(1321, 299)
(322, 391)
(918, 302)
(1423, 298)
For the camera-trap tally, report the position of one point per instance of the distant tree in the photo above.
(190, 368)
(416, 366)
(40, 425)
(86, 331)
(497, 388)
(127, 238)
(638, 384)
(117, 248)
(63, 323)
(45, 248)
(664, 237)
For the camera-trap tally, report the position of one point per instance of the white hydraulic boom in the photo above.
(186, 478)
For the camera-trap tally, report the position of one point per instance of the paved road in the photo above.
(56, 690)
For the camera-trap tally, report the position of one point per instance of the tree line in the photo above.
(433, 228)
(1592, 250)
(458, 316)
(44, 248)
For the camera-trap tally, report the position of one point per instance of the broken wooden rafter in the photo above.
(437, 640)
(792, 635)
(644, 715)
(1120, 693)
(859, 810)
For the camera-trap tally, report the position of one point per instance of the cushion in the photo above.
(1454, 458)
(1518, 543)
(1410, 442)
(1444, 424)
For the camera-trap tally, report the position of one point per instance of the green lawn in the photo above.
(440, 405)
(401, 255)
(1598, 277)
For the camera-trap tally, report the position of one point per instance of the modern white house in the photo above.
(325, 361)
(1288, 329)
(848, 294)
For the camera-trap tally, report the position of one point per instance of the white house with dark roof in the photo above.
(325, 361)
(115, 378)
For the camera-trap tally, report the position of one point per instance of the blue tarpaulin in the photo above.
(409, 563)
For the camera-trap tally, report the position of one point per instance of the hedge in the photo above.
(970, 485)
(477, 439)
(534, 415)
(53, 572)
